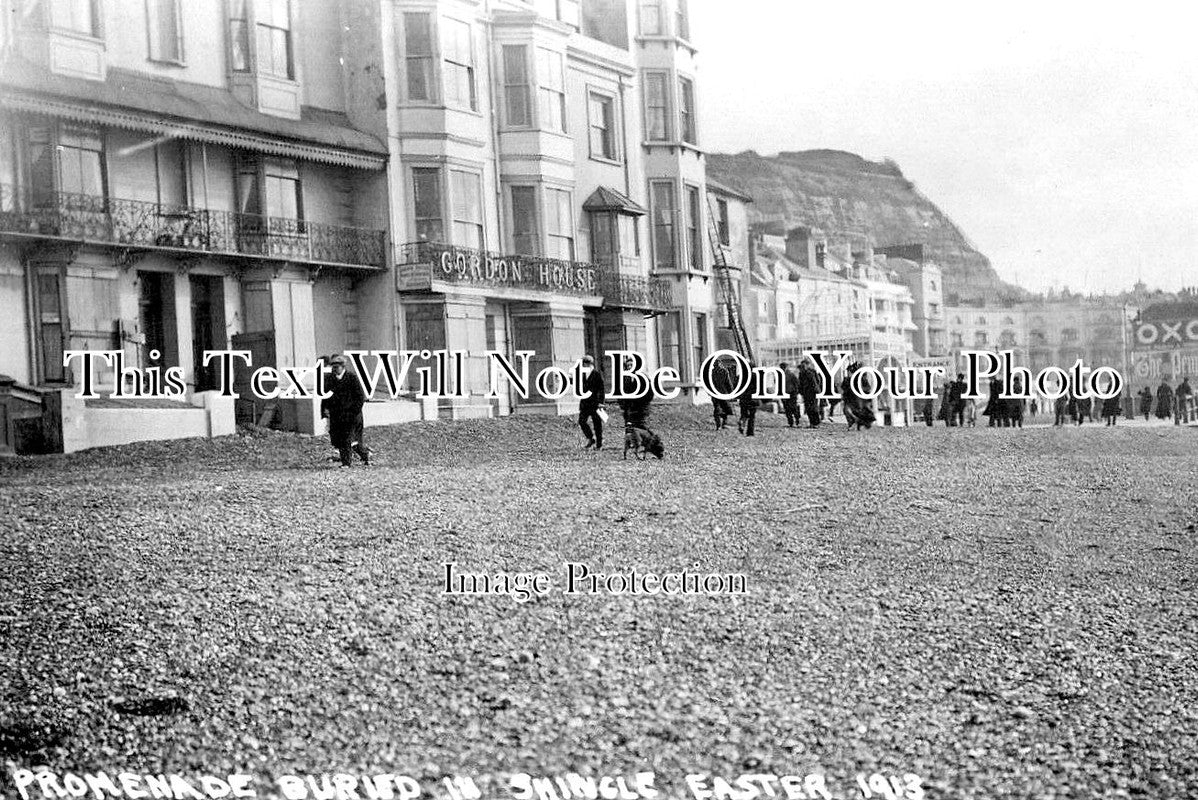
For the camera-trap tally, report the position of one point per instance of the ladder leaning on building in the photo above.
(728, 288)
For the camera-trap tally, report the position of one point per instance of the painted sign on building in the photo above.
(1165, 348)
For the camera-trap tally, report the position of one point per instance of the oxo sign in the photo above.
(1172, 332)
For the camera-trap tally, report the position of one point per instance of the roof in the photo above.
(606, 198)
(136, 101)
(719, 188)
(769, 256)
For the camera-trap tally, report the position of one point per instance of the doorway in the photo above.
(207, 327)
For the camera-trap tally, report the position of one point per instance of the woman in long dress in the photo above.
(1164, 400)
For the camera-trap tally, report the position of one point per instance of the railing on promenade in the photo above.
(138, 223)
(418, 264)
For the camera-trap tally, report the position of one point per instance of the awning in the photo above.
(606, 198)
(188, 111)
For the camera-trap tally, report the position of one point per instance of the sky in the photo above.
(1060, 137)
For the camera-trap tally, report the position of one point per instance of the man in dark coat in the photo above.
(721, 381)
(1182, 399)
(748, 410)
(790, 388)
(343, 407)
(588, 407)
(1164, 400)
(956, 399)
(1145, 402)
(809, 382)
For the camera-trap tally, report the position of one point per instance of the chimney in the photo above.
(800, 247)
(821, 253)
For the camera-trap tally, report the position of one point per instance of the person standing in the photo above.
(748, 410)
(1164, 400)
(588, 407)
(1112, 407)
(1145, 402)
(1061, 410)
(1035, 407)
(790, 388)
(809, 388)
(721, 381)
(343, 408)
(1182, 400)
(956, 399)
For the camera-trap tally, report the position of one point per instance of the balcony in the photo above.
(141, 225)
(433, 266)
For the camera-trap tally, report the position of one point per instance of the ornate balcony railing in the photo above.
(418, 264)
(141, 224)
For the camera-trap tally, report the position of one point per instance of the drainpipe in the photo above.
(490, 29)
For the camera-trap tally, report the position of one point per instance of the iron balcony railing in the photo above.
(141, 224)
(420, 263)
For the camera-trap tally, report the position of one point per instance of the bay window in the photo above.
(559, 215)
(663, 208)
(426, 204)
(657, 107)
(517, 91)
(457, 64)
(525, 221)
(466, 192)
(686, 110)
(551, 82)
(418, 48)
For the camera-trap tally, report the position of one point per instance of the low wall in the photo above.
(115, 422)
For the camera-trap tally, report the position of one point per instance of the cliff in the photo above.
(851, 198)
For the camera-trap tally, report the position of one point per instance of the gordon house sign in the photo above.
(518, 272)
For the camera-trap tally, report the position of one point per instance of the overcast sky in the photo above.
(1062, 138)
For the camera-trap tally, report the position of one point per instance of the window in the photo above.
(699, 341)
(426, 203)
(171, 161)
(239, 36)
(651, 21)
(284, 199)
(980, 339)
(671, 340)
(958, 340)
(981, 321)
(274, 39)
(602, 110)
(933, 309)
(552, 90)
(457, 54)
(722, 222)
(694, 228)
(657, 108)
(517, 93)
(418, 48)
(466, 190)
(559, 218)
(525, 229)
(50, 323)
(604, 231)
(790, 313)
(1007, 339)
(76, 16)
(165, 29)
(682, 25)
(81, 161)
(686, 110)
(663, 225)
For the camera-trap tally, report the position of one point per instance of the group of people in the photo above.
(1169, 401)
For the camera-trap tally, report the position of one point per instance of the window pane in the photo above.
(656, 107)
(427, 204)
(524, 220)
(73, 15)
(418, 36)
(516, 85)
(467, 209)
(240, 39)
(651, 17)
(663, 225)
(687, 111)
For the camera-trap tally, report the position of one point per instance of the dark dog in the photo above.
(642, 442)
